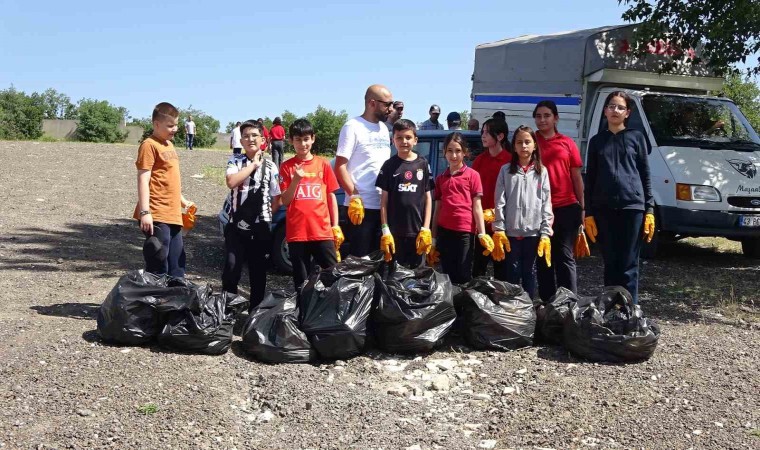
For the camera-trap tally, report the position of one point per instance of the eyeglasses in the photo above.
(387, 104)
(399, 109)
(618, 108)
(250, 136)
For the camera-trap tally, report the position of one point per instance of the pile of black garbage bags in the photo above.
(181, 315)
(339, 312)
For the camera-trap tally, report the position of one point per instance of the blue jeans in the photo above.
(521, 263)
(189, 141)
(620, 238)
(172, 259)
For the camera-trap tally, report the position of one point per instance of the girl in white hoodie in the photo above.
(523, 211)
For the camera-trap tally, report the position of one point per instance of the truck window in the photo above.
(697, 122)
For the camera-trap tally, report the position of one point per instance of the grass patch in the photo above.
(147, 409)
(755, 432)
(47, 138)
(215, 174)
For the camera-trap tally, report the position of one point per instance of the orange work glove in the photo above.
(545, 250)
(486, 242)
(590, 225)
(649, 227)
(489, 215)
(387, 244)
(434, 257)
(581, 249)
(500, 246)
(338, 236)
(356, 210)
(188, 217)
(424, 241)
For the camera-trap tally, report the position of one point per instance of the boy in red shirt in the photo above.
(495, 138)
(308, 187)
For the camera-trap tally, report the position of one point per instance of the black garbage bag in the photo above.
(552, 315)
(203, 324)
(272, 334)
(611, 329)
(496, 314)
(354, 267)
(415, 309)
(129, 315)
(335, 305)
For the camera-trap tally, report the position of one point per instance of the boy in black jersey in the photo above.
(406, 202)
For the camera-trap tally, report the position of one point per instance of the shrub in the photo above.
(20, 115)
(99, 122)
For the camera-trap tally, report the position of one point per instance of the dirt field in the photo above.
(66, 236)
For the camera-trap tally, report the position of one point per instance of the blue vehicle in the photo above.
(430, 146)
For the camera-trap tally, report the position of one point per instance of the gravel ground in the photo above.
(66, 236)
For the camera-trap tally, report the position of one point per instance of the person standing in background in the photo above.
(189, 133)
(277, 134)
(432, 123)
(395, 115)
(454, 121)
(473, 125)
(235, 144)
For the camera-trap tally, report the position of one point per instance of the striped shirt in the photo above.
(271, 187)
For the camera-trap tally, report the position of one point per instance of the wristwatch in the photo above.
(144, 212)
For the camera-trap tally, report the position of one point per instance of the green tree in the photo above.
(99, 121)
(728, 31)
(20, 115)
(327, 124)
(56, 105)
(288, 118)
(230, 126)
(746, 94)
(465, 118)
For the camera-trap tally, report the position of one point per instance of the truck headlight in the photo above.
(696, 193)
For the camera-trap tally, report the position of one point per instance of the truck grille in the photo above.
(744, 202)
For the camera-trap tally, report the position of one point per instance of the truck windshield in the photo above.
(698, 122)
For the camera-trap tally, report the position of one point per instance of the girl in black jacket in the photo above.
(619, 202)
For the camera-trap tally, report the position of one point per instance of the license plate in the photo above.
(749, 221)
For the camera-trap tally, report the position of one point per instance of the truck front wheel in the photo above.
(751, 248)
(280, 255)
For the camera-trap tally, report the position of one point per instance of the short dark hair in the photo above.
(499, 115)
(249, 124)
(300, 127)
(277, 121)
(237, 124)
(403, 125)
(163, 110)
(535, 157)
(495, 127)
(459, 139)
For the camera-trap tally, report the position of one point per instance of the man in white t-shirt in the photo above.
(189, 133)
(363, 146)
(235, 144)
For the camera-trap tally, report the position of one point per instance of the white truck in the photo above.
(704, 155)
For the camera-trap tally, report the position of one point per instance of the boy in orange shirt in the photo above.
(308, 186)
(159, 196)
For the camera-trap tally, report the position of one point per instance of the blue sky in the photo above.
(254, 59)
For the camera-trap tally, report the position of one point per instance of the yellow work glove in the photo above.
(545, 250)
(387, 244)
(424, 241)
(500, 246)
(337, 254)
(434, 256)
(486, 242)
(590, 225)
(338, 236)
(188, 217)
(488, 215)
(581, 249)
(649, 227)
(356, 210)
